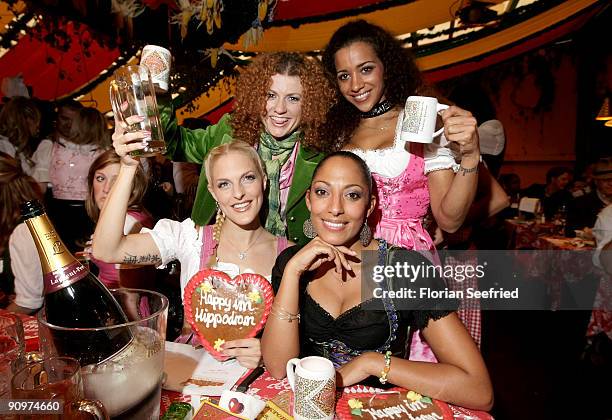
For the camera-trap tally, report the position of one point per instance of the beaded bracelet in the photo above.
(385, 371)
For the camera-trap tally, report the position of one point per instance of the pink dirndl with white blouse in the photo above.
(402, 204)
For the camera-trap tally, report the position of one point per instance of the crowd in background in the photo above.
(294, 119)
(63, 156)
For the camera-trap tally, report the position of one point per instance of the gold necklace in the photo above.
(243, 254)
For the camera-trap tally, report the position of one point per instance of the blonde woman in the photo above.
(237, 243)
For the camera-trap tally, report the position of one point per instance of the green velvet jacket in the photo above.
(193, 146)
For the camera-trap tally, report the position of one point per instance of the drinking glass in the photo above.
(129, 382)
(132, 94)
(57, 382)
(12, 350)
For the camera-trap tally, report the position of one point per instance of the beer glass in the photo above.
(132, 96)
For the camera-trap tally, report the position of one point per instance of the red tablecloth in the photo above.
(265, 387)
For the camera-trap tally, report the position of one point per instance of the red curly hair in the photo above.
(252, 87)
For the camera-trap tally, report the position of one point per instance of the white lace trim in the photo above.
(392, 161)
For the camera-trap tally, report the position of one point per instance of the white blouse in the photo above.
(602, 232)
(183, 242)
(25, 265)
(41, 159)
(392, 161)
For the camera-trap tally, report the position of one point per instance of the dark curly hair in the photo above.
(255, 81)
(402, 77)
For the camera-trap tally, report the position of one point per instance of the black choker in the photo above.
(379, 109)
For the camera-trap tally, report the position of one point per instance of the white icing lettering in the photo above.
(208, 318)
(403, 411)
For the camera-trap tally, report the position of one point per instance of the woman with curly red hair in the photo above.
(281, 104)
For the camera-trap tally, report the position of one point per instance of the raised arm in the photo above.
(191, 145)
(452, 194)
(109, 243)
(281, 338)
(285, 280)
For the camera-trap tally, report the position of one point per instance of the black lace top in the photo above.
(362, 328)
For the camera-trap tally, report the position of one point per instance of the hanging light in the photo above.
(476, 13)
(604, 112)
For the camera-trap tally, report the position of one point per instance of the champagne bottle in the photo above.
(74, 297)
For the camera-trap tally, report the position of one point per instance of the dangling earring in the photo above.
(365, 235)
(218, 224)
(309, 229)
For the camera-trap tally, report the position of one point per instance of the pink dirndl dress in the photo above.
(402, 204)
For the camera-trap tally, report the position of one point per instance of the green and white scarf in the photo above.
(270, 148)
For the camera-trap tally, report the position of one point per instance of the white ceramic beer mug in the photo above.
(158, 60)
(313, 381)
(420, 116)
(132, 93)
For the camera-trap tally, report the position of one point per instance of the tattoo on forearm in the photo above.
(141, 259)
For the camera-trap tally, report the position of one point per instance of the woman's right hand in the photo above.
(124, 143)
(317, 252)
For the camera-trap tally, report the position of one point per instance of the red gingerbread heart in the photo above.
(221, 309)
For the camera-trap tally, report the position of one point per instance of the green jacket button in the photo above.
(292, 219)
(295, 239)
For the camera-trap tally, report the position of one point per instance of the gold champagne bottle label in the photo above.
(60, 268)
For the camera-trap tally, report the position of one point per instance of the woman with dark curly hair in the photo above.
(374, 75)
(281, 102)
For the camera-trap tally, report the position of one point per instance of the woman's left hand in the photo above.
(358, 369)
(247, 351)
(461, 129)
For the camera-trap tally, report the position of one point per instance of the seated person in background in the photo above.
(102, 175)
(237, 243)
(554, 194)
(584, 184)
(320, 284)
(20, 272)
(582, 212)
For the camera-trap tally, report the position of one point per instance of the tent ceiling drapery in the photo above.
(53, 73)
(298, 25)
(398, 19)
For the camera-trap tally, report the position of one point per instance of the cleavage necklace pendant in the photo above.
(242, 255)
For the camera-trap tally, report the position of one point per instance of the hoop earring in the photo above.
(309, 230)
(219, 220)
(365, 235)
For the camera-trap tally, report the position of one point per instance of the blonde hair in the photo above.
(222, 150)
